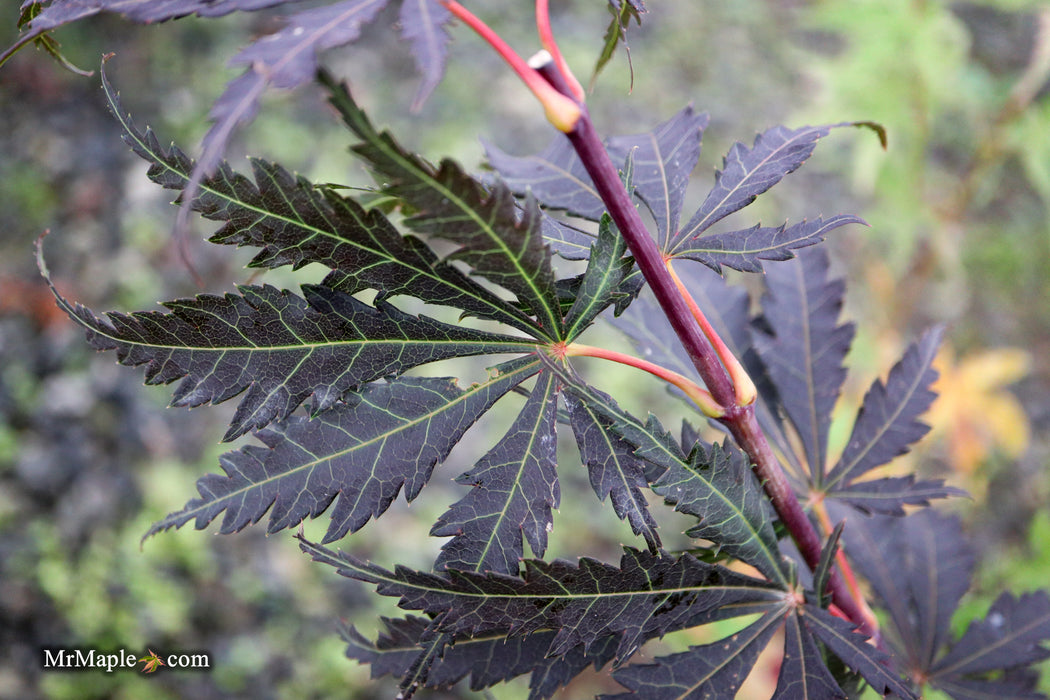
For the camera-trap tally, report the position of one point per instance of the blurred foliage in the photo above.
(88, 458)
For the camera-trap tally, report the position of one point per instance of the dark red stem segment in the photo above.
(648, 257)
(740, 420)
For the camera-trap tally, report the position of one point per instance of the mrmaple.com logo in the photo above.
(88, 659)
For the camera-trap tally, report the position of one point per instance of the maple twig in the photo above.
(543, 25)
(740, 420)
(562, 110)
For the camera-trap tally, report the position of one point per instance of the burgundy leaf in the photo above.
(803, 675)
(712, 671)
(745, 250)
(513, 489)
(888, 496)
(748, 172)
(488, 659)
(887, 423)
(806, 347)
(423, 25)
(614, 470)
(854, 650)
(663, 160)
(920, 567)
(1012, 634)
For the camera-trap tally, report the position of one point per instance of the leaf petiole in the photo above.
(697, 394)
(744, 389)
(562, 111)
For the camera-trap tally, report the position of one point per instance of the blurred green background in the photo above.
(958, 204)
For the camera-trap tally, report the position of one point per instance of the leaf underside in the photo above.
(296, 223)
(360, 454)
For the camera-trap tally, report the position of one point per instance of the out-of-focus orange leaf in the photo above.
(975, 413)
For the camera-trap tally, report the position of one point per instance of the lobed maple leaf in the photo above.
(920, 567)
(665, 157)
(285, 59)
(280, 347)
(803, 346)
(295, 223)
(494, 240)
(359, 454)
(488, 659)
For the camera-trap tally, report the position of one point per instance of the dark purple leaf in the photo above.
(285, 59)
(748, 172)
(513, 489)
(614, 470)
(720, 490)
(568, 241)
(361, 453)
(887, 423)
(280, 347)
(646, 596)
(555, 177)
(423, 25)
(701, 673)
(1012, 634)
(854, 650)
(1006, 688)
(487, 659)
(497, 240)
(297, 223)
(605, 282)
(919, 567)
(803, 675)
(888, 496)
(663, 161)
(805, 349)
(745, 250)
(55, 13)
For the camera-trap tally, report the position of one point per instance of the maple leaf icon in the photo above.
(152, 662)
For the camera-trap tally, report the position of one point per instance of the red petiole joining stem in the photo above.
(696, 336)
(700, 396)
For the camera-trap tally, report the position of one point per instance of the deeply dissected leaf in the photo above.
(487, 659)
(719, 488)
(745, 250)
(887, 423)
(605, 281)
(51, 14)
(748, 172)
(855, 651)
(494, 240)
(281, 347)
(663, 158)
(805, 351)
(1014, 633)
(651, 442)
(919, 567)
(514, 488)
(297, 223)
(889, 495)
(647, 596)
(423, 25)
(555, 177)
(803, 675)
(359, 454)
(614, 470)
(711, 671)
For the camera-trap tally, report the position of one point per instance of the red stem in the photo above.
(740, 420)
